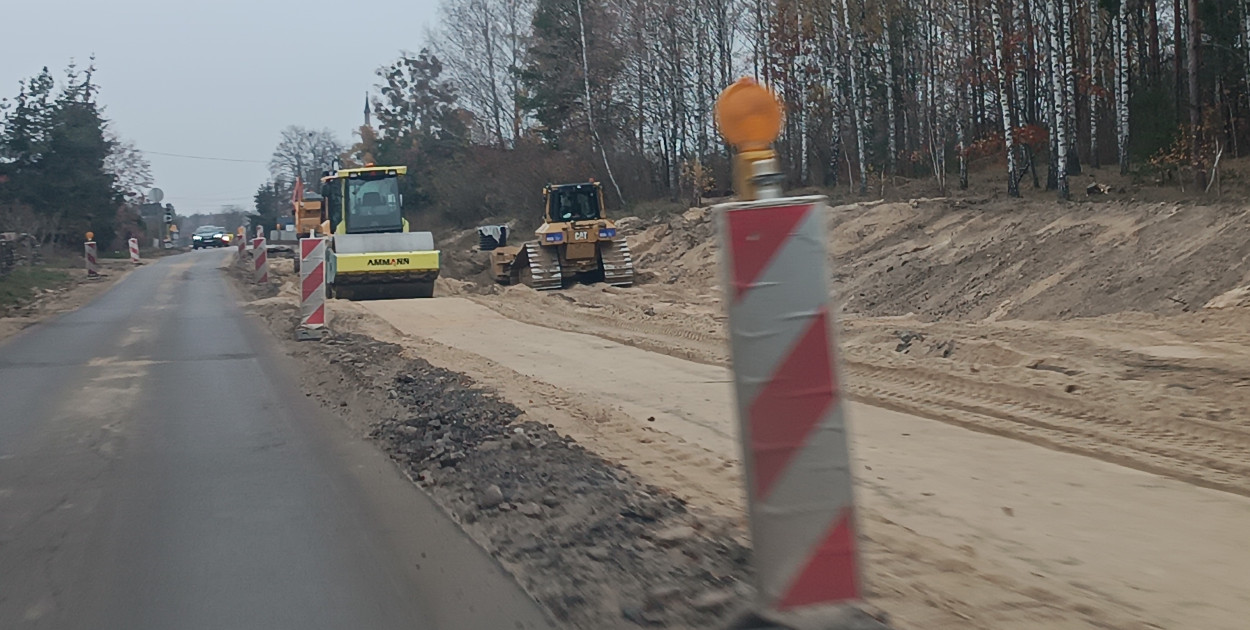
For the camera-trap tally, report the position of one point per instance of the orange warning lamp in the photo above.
(748, 115)
(90, 236)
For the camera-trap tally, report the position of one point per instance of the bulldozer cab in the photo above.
(364, 200)
(570, 203)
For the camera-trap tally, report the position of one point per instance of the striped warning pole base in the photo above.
(134, 250)
(312, 281)
(260, 258)
(93, 263)
(794, 439)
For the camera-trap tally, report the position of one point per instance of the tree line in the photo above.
(511, 94)
(63, 171)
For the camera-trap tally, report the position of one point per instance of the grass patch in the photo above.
(21, 285)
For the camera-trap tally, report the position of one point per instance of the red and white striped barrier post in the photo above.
(134, 250)
(260, 259)
(93, 263)
(796, 458)
(312, 280)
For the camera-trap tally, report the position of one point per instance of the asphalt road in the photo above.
(160, 469)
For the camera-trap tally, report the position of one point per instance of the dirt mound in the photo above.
(1236, 298)
(461, 260)
(988, 258)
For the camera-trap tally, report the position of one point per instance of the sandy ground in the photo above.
(961, 528)
(67, 299)
(1164, 394)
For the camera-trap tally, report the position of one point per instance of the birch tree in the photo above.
(1060, 94)
(854, 47)
(1095, 18)
(1004, 98)
(1122, 85)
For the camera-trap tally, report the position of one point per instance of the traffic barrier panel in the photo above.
(793, 434)
(312, 276)
(134, 250)
(260, 258)
(93, 263)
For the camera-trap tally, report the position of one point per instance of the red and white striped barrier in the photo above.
(260, 259)
(789, 405)
(312, 280)
(92, 259)
(134, 250)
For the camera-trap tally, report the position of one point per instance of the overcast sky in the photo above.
(216, 79)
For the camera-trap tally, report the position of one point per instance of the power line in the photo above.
(200, 157)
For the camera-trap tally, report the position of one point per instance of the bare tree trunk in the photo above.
(1060, 89)
(590, 121)
(891, 159)
(936, 135)
(1122, 86)
(1245, 47)
(1152, 34)
(1178, 22)
(489, 41)
(516, 17)
(800, 70)
(1053, 80)
(832, 77)
(967, 33)
(1000, 68)
(1094, 18)
(1067, 39)
(1195, 95)
(857, 111)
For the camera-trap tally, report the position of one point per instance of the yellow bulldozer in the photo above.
(577, 242)
(372, 253)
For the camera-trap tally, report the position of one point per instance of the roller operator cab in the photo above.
(372, 252)
(576, 242)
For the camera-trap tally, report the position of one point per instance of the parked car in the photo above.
(210, 236)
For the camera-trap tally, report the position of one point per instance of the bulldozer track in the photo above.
(618, 263)
(1194, 453)
(1197, 451)
(544, 265)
